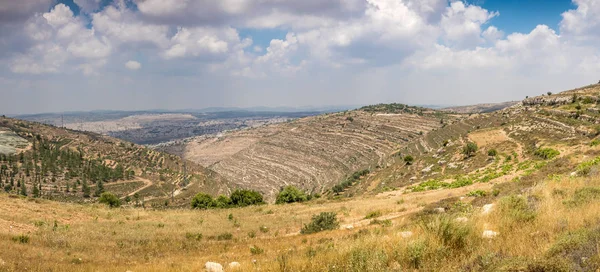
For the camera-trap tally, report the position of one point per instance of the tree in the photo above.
(203, 201)
(321, 222)
(85, 189)
(36, 190)
(109, 199)
(99, 188)
(470, 149)
(242, 198)
(23, 189)
(290, 194)
(549, 93)
(223, 202)
(408, 159)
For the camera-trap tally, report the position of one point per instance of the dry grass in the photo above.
(92, 237)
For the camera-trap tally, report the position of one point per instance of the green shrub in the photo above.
(367, 259)
(255, 250)
(546, 153)
(492, 152)
(580, 248)
(408, 159)
(517, 209)
(222, 202)
(321, 222)
(470, 149)
(384, 223)
(583, 196)
(595, 142)
(477, 193)
(193, 236)
(242, 198)
(22, 238)
(416, 252)
(373, 214)
(203, 201)
(290, 194)
(263, 229)
(109, 199)
(224, 236)
(448, 232)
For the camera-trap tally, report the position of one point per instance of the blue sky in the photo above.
(524, 15)
(93, 55)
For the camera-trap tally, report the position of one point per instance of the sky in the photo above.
(71, 55)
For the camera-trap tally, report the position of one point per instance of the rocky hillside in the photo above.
(56, 163)
(313, 153)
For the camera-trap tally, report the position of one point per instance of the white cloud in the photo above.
(582, 24)
(462, 24)
(15, 10)
(60, 38)
(133, 65)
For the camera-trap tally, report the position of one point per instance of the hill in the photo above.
(312, 153)
(513, 190)
(63, 164)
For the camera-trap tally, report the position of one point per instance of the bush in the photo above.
(517, 208)
(373, 214)
(546, 153)
(448, 232)
(224, 236)
(321, 222)
(477, 193)
(580, 248)
(223, 202)
(492, 152)
(110, 199)
(583, 196)
(255, 250)
(470, 149)
(193, 236)
(203, 201)
(23, 239)
(291, 194)
(408, 159)
(243, 198)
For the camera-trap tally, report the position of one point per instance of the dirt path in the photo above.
(147, 183)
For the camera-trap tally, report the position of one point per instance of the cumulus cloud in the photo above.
(133, 65)
(331, 47)
(59, 37)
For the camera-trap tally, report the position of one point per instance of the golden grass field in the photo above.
(92, 237)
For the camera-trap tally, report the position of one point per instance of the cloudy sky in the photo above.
(176, 54)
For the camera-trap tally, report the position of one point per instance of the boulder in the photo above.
(213, 267)
(406, 234)
(234, 265)
(439, 210)
(487, 208)
(489, 234)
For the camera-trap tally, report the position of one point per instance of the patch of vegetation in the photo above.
(373, 214)
(477, 193)
(384, 223)
(583, 196)
(518, 209)
(449, 233)
(239, 198)
(291, 194)
(321, 222)
(580, 248)
(492, 152)
(22, 238)
(255, 250)
(110, 199)
(193, 236)
(350, 181)
(408, 159)
(470, 149)
(546, 153)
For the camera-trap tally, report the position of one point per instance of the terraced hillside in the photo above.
(56, 163)
(512, 144)
(312, 153)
